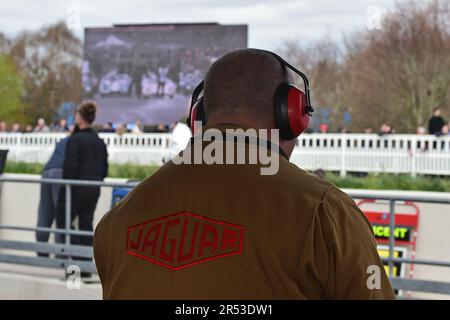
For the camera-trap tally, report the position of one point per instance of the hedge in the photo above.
(371, 181)
(130, 171)
(391, 182)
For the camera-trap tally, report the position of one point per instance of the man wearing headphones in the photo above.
(223, 230)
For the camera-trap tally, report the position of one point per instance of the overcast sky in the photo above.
(270, 21)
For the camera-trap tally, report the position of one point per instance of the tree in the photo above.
(321, 62)
(397, 74)
(11, 87)
(5, 44)
(51, 62)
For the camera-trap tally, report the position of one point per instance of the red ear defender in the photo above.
(291, 111)
(292, 105)
(297, 111)
(192, 116)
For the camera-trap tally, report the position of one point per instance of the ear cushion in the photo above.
(197, 114)
(291, 115)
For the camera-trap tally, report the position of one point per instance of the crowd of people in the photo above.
(437, 126)
(40, 127)
(62, 126)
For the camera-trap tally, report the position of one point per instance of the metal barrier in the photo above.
(64, 251)
(393, 197)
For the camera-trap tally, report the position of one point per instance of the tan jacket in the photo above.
(227, 232)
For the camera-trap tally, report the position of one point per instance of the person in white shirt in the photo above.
(137, 129)
(41, 126)
(181, 134)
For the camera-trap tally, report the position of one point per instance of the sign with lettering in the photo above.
(183, 240)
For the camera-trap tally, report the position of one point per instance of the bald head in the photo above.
(240, 87)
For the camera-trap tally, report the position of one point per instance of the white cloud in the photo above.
(270, 21)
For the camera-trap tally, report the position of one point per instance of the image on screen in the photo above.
(148, 72)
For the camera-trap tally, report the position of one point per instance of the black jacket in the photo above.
(435, 125)
(86, 156)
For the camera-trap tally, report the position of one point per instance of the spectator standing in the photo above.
(3, 126)
(48, 203)
(436, 122)
(107, 128)
(181, 135)
(421, 131)
(15, 128)
(321, 247)
(385, 129)
(86, 158)
(162, 128)
(445, 130)
(62, 126)
(323, 128)
(28, 129)
(41, 127)
(120, 129)
(137, 129)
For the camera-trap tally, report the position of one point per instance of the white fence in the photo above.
(400, 153)
(141, 149)
(334, 152)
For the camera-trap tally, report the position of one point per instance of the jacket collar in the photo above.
(90, 129)
(222, 127)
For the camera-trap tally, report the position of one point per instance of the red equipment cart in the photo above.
(405, 231)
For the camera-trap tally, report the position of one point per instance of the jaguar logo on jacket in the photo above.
(183, 240)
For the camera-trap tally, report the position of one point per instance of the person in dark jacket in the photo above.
(49, 194)
(86, 159)
(436, 122)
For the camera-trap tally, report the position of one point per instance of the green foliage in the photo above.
(128, 171)
(405, 62)
(39, 70)
(22, 167)
(131, 171)
(11, 87)
(376, 182)
(391, 182)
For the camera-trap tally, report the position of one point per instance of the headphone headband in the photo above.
(309, 109)
(197, 91)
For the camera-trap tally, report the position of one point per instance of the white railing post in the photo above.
(413, 156)
(343, 172)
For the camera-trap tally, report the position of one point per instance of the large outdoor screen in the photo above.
(148, 72)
